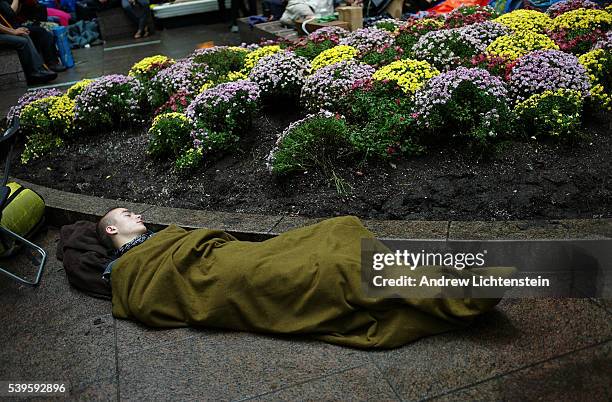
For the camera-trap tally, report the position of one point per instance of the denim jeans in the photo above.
(28, 56)
(138, 12)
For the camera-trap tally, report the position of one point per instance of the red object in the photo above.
(449, 5)
(63, 16)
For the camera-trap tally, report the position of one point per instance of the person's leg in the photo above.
(45, 43)
(144, 13)
(129, 10)
(31, 61)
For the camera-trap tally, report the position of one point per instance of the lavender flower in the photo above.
(483, 33)
(605, 42)
(439, 90)
(447, 48)
(332, 33)
(543, 70)
(328, 85)
(562, 7)
(367, 39)
(281, 74)
(184, 75)
(108, 100)
(29, 97)
(227, 107)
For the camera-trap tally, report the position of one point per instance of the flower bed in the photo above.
(472, 82)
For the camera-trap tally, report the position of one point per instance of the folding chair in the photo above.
(6, 149)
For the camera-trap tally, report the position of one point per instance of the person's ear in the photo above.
(111, 230)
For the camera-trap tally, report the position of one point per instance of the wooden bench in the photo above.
(11, 72)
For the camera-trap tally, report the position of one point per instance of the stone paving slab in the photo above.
(520, 332)
(133, 337)
(582, 375)
(80, 353)
(53, 304)
(363, 383)
(229, 366)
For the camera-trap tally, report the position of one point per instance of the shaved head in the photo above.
(103, 223)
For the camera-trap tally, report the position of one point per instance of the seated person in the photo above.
(306, 281)
(140, 13)
(42, 39)
(306, 9)
(31, 62)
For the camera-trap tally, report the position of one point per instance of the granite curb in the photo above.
(65, 208)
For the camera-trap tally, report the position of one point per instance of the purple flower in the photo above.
(544, 70)
(108, 100)
(328, 85)
(227, 107)
(184, 75)
(333, 34)
(281, 74)
(562, 7)
(368, 39)
(29, 97)
(439, 90)
(605, 42)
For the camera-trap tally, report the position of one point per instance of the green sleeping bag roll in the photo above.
(23, 214)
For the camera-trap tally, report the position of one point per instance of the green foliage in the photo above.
(552, 114)
(189, 160)
(170, 134)
(470, 113)
(315, 142)
(381, 121)
(383, 56)
(222, 61)
(45, 121)
(311, 49)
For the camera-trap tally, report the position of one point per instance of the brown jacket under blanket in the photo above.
(304, 281)
(84, 258)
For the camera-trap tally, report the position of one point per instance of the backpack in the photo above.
(23, 214)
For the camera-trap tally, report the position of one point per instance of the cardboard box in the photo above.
(395, 8)
(353, 15)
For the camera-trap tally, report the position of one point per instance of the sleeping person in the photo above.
(305, 281)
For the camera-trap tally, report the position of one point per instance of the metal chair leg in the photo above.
(30, 245)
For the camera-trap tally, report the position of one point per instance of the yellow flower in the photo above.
(525, 20)
(409, 75)
(595, 63)
(238, 49)
(582, 19)
(144, 65)
(77, 88)
(169, 116)
(253, 57)
(235, 76)
(332, 56)
(53, 113)
(207, 85)
(519, 44)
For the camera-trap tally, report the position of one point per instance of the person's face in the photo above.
(126, 222)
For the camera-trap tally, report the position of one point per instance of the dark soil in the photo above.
(521, 180)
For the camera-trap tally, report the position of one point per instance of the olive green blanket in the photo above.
(305, 281)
